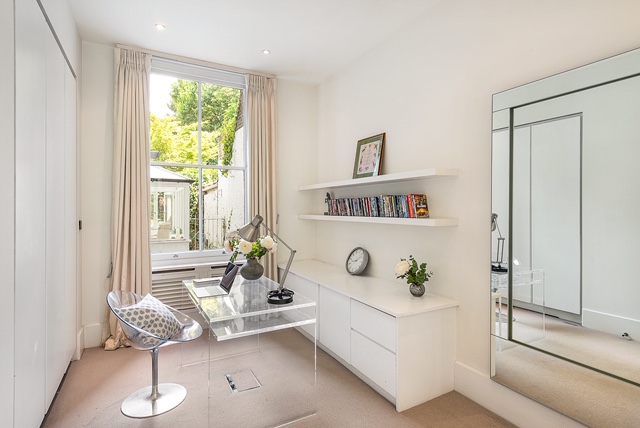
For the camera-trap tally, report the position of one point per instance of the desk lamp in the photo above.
(497, 265)
(250, 232)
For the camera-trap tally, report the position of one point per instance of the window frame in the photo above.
(209, 75)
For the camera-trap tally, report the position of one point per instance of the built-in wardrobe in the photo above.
(40, 285)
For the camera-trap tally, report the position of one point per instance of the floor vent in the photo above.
(243, 380)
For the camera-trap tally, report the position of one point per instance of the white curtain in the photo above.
(261, 125)
(130, 236)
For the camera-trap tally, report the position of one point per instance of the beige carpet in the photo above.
(607, 352)
(593, 398)
(96, 385)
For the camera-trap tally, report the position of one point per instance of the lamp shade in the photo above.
(251, 231)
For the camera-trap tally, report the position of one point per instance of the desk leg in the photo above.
(270, 385)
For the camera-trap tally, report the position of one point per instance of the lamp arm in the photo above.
(498, 228)
(293, 253)
(277, 237)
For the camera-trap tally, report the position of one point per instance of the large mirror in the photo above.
(565, 232)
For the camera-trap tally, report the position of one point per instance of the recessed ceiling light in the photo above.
(266, 51)
(160, 27)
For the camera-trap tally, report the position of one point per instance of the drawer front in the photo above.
(334, 329)
(374, 324)
(374, 361)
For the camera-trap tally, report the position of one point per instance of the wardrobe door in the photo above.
(30, 221)
(71, 230)
(54, 198)
(555, 211)
(7, 213)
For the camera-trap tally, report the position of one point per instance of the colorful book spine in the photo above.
(422, 209)
(401, 206)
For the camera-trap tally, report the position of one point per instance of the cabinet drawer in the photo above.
(374, 361)
(374, 324)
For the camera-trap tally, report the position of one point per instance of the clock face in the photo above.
(357, 261)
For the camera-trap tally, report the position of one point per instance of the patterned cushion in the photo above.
(152, 316)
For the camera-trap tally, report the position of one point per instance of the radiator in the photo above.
(166, 283)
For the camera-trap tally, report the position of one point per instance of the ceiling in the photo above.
(309, 40)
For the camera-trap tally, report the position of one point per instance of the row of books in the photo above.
(407, 206)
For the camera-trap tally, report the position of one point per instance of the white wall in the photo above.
(296, 165)
(429, 88)
(96, 164)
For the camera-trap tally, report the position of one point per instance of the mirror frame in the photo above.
(626, 395)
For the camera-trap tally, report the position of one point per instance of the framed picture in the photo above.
(369, 156)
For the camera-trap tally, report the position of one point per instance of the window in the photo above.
(198, 158)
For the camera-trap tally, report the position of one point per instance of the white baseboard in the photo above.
(92, 335)
(610, 323)
(79, 345)
(514, 407)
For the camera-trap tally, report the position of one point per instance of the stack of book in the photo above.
(407, 206)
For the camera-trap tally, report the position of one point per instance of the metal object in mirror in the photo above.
(565, 306)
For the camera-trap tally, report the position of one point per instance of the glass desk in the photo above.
(266, 376)
(245, 311)
(528, 292)
(528, 325)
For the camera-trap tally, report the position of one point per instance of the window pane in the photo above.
(172, 208)
(220, 121)
(224, 206)
(194, 198)
(174, 119)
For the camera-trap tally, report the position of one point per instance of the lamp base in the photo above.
(280, 296)
(497, 267)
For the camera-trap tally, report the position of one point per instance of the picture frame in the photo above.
(368, 160)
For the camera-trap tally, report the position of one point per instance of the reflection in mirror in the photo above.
(564, 301)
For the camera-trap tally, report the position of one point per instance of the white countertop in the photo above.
(391, 297)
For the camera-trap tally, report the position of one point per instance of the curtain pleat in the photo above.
(131, 245)
(261, 124)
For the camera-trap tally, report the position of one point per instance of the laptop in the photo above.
(216, 286)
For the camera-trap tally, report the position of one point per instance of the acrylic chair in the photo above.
(149, 325)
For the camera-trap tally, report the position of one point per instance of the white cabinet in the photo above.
(383, 179)
(426, 356)
(307, 289)
(402, 346)
(334, 322)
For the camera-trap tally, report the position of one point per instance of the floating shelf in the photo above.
(385, 178)
(429, 222)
